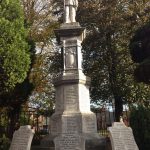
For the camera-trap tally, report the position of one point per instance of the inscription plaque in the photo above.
(71, 97)
(84, 99)
(59, 96)
(71, 124)
(22, 138)
(89, 123)
(69, 142)
(55, 124)
(122, 137)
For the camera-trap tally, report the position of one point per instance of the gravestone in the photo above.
(121, 137)
(22, 138)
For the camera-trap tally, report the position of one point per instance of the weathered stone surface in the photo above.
(69, 141)
(78, 126)
(71, 124)
(89, 123)
(22, 138)
(70, 8)
(71, 95)
(72, 55)
(71, 30)
(72, 98)
(84, 99)
(55, 123)
(70, 25)
(59, 107)
(122, 137)
(94, 142)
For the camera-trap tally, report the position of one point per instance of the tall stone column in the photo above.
(73, 125)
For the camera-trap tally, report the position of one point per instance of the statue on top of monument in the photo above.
(70, 8)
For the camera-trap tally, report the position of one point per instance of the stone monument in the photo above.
(22, 138)
(73, 125)
(121, 137)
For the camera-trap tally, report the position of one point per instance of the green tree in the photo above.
(40, 23)
(110, 25)
(14, 57)
(14, 49)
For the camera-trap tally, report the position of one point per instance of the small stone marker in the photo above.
(121, 137)
(22, 138)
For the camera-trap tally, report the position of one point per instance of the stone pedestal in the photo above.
(73, 125)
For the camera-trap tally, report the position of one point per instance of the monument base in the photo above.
(48, 141)
(92, 142)
(79, 132)
(95, 142)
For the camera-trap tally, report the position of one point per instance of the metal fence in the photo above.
(40, 123)
(106, 117)
(31, 117)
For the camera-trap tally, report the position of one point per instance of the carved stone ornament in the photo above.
(70, 57)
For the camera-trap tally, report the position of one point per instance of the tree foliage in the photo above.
(140, 52)
(110, 25)
(15, 59)
(14, 49)
(43, 95)
(139, 121)
(39, 17)
(41, 20)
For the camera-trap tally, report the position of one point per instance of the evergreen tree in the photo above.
(14, 58)
(14, 49)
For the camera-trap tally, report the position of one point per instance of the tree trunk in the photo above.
(118, 108)
(13, 116)
(112, 68)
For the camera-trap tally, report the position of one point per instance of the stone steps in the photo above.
(42, 148)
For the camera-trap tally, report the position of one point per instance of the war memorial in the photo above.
(73, 124)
